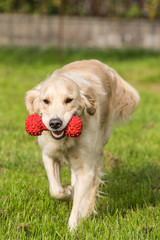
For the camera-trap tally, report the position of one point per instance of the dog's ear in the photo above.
(89, 101)
(32, 100)
(126, 98)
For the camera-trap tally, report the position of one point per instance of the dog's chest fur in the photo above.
(61, 150)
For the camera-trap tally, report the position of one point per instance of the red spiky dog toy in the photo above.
(34, 126)
(74, 127)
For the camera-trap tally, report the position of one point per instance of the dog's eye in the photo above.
(68, 100)
(46, 101)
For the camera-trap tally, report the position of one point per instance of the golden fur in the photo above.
(100, 97)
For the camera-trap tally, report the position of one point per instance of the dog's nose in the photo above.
(55, 123)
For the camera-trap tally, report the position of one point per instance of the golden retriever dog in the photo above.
(96, 93)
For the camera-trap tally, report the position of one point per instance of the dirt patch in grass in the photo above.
(110, 161)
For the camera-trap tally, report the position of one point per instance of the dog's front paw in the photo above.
(65, 193)
(68, 192)
(73, 222)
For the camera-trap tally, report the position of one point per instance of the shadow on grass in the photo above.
(127, 189)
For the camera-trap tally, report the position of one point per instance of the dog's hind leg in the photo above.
(52, 168)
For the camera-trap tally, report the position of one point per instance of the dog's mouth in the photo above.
(58, 134)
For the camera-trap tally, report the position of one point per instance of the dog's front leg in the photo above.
(52, 168)
(83, 183)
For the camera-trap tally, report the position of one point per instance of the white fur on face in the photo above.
(57, 107)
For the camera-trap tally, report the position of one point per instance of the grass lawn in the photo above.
(130, 208)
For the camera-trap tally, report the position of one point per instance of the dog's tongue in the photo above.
(58, 133)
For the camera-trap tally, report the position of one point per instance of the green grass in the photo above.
(131, 207)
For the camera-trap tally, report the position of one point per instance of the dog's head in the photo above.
(57, 100)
